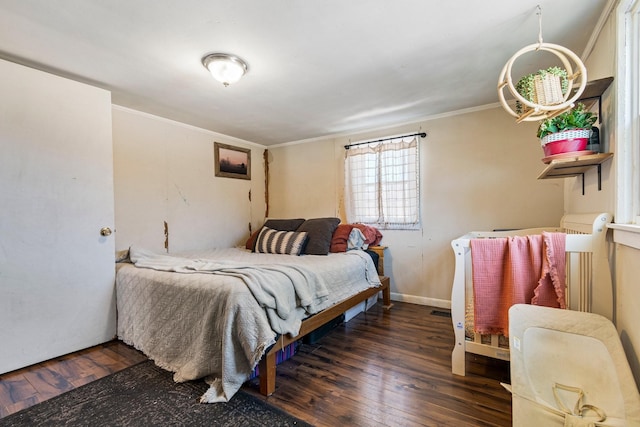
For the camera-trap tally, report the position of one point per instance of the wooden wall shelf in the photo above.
(578, 165)
(575, 166)
(593, 93)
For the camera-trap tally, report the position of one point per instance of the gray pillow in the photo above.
(284, 224)
(320, 231)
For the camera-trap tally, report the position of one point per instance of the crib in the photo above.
(588, 282)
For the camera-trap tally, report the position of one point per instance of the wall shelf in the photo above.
(578, 165)
(575, 166)
(593, 93)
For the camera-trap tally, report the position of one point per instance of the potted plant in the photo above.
(539, 87)
(566, 132)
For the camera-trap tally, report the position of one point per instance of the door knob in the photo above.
(105, 231)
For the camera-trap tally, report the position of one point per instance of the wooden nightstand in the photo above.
(379, 250)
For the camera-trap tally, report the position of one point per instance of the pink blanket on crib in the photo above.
(515, 270)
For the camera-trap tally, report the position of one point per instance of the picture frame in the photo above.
(232, 162)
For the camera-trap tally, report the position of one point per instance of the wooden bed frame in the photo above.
(267, 364)
(588, 281)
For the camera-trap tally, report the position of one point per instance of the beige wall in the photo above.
(303, 181)
(627, 264)
(164, 171)
(599, 64)
(478, 172)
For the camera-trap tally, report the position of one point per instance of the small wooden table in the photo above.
(386, 292)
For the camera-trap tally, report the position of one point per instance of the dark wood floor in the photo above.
(381, 368)
(29, 386)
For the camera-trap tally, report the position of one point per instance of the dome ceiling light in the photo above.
(225, 68)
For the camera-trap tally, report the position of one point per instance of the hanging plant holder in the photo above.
(548, 90)
(545, 87)
(546, 93)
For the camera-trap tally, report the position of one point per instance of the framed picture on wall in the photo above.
(232, 162)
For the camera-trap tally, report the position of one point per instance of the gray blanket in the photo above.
(288, 293)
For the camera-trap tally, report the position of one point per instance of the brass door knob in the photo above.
(105, 231)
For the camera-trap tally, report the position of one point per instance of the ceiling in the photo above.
(316, 68)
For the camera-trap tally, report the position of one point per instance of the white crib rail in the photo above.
(588, 279)
(588, 270)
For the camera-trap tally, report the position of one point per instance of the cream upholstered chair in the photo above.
(568, 368)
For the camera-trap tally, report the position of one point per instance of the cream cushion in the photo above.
(558, 354)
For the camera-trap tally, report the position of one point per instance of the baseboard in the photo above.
(433, 302)
(357, 309)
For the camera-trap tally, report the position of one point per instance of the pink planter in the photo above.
(565, 146)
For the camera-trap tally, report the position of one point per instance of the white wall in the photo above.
(164, 171)
(478, 172)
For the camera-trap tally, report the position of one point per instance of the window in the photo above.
(628, 118)
(382, 183)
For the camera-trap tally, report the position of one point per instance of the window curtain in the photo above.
(382, 184)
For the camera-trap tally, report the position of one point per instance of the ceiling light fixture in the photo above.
(225, 68)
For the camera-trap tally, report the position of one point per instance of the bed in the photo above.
(587, 281)
(217, 314)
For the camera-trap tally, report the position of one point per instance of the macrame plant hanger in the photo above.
(549, 99)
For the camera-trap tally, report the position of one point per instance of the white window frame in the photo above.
(628, 113)
(378, 218)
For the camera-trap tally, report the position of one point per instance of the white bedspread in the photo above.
(219, 319)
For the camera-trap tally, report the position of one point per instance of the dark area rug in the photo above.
(145, 395)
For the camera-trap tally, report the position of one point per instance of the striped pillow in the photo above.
(280, 242)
